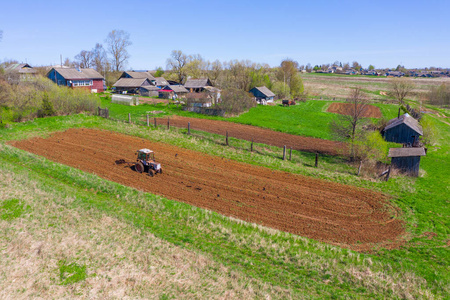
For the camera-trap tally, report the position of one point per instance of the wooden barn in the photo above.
(138, 74)
(262, 95)
(173, 92)
(407, 159)
(133, 86)
(196, 85)
(403, 130)
(78, 78)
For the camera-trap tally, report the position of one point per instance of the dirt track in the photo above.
(346, 108)
(326, 211)
(259, 135)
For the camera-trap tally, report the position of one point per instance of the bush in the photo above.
(235, 101)
(429, 131)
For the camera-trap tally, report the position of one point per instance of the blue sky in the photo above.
(382, 33)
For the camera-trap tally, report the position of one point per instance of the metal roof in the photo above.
(195, 83)
(265, 91)
(145, 150)
(407, 120)
(74, 73)
(130, 82)
(406, 152)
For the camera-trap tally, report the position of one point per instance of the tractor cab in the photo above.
(146, 162)
(146, 155)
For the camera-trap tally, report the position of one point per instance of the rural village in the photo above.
(232, 179)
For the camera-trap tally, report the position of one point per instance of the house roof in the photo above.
(130, 82)
(74, 73)
(150, 88)
(135, 74)
(161, 81)
(406, 152)
(198, 96)
(194, 83)
(407, 120)
(176, 88)
(264, 90)
(21, 68)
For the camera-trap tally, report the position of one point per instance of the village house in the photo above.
(394, 74)
(407, 160)
(21, 72)
(262, 95)
(141, 86)
(160, 82)
(404, 130)
(78, 78)
(173, 92)
(197, 85)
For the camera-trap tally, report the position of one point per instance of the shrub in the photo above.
(235, 101)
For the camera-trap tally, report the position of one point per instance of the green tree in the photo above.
(288, 73)
(159, 72)
(371, 67)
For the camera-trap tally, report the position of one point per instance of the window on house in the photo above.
(82, 82)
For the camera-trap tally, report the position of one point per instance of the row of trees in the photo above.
(243, 75)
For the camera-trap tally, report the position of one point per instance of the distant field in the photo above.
(339, 86)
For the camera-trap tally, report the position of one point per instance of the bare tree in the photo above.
(118, 41)
(177, 63)
(400, 88)
(100, 59)
(348, 126)
(84, 59)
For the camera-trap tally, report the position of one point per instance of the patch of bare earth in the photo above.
(346, 109)
(330, 212)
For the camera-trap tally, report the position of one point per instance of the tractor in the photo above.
(146, 162)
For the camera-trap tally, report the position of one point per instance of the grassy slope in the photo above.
(307, 118)
(296, 265)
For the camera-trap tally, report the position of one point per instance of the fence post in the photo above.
(98, 110)
(155, 121)
(317, 160)
(284, 152)
(189, 127)
(251, 146)
(226, 138)
(388, 173)
(168, 123)
(359, 169)
(290, 153)
(107, 113)
(148, 121)
(129, 118)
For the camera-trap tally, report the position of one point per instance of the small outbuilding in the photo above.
(132, 86)
(196, 85)
(407, 160)
(404, 130)
(262, 95)
(173, 92)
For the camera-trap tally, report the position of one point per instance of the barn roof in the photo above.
(135, 74)
(406, 152)
(21, 68)
(177, 88)
(194, 83)
(161, 81)
(264, 90)
(130, 82)
(74, 73)
(408, 121)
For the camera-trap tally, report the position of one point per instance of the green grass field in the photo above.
(83, 236)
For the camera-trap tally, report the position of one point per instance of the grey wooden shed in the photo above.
(407, 159)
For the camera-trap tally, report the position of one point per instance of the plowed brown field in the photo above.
(258, 134)
(346, 108)
(325, 211)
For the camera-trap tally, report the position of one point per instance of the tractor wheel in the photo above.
(160, 171)
(150, 172)
(139, 167)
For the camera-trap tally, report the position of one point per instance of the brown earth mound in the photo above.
(259, 135)
(325, 211)
(346, 108)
